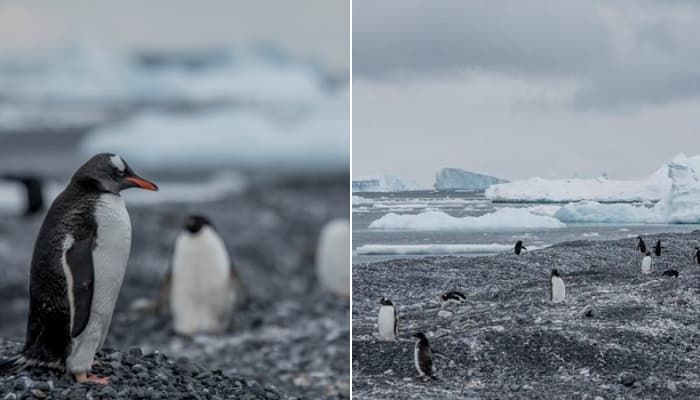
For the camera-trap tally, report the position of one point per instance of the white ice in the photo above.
(411, 249)
(383, 183)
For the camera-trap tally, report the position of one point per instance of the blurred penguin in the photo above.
(641, 246)
(519, 247)
(657, 248)
(646, 264)
(422, 356)
(697, 255)
(557, 291)
(333, 257)
(388, 321)
(33, 189)
(204, 287)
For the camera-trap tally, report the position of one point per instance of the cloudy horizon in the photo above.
(551, 89)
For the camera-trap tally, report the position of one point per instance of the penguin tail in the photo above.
(12, 364)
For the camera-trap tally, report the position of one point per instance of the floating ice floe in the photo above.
(383, 183)
(416, 249)
(503, 219)
(456, 178)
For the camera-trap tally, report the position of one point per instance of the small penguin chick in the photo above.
(388, 321)
(205, 287)
(557, 288)
(422, 356)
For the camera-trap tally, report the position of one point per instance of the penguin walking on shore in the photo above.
(423, 357)
(519, 247)
(697, 255)
(452, 297)
(388, 321)
(204, 287)
(557, 290)
(646, 264)
(641, 246)
(33, 189)
(77, 269)
(657, 248)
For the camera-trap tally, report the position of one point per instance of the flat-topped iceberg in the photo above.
(456, 178)
(505, 219)
(383, 183)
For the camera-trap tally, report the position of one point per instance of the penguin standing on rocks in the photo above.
(671, 273)
(657, 248)
(33, 188)
(519, 247)
(557, 290)
(641, 245)
(422, 356)
(204, 287)
(388, 321)
(697, 255)
(77, 269)
(646, 264)
(452, 297)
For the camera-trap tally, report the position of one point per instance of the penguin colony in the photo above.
(422, 355)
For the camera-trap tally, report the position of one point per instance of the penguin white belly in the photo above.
(109, 257)
(202, 295)
(386, 323)
(646, 265)
(416, 351)
(333, 257)
(558, 290)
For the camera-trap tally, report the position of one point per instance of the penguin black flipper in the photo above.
(79, 260)
(396, 324)
(425, 360)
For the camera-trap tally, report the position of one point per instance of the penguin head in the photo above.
(648, 253)
(195, 223)
(420, 336)
(555, 272)
(385, 302)
(109, 173)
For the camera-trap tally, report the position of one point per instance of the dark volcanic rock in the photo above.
(618, 335)
(291, 335)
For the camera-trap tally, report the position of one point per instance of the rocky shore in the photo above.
(619, 335)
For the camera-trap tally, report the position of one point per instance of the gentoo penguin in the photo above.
(657, 248)
(452, 296)
(333, 257)
(519, 247)
(646, 263)
(205, 287)
(697, 255)
(557, 290)
(388, 321)
(77, 269)
(641, 245)
(670, 272)
(32, 186)
(422, 356)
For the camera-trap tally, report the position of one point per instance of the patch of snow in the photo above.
(503, 219)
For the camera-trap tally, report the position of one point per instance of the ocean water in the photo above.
(382, 243)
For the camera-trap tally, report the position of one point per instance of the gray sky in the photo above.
(524, 88)
(314, 28)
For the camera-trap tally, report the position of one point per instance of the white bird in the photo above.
(388, 322)
(557, 288)
(646, 264)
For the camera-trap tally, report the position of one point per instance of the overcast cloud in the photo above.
(521, 88)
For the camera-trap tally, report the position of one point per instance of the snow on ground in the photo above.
(502, 219)
(412, 249)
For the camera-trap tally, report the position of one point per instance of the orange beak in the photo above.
(142, 183)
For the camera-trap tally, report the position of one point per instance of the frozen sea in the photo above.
(372, 244)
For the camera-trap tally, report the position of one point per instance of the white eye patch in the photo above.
(118, 162)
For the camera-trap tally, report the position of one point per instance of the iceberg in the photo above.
(504, 219)
(383, 183)
(595, 212)
(415, 249)
(455, 178)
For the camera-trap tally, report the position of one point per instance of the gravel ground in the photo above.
(640, 339)
(291, 335)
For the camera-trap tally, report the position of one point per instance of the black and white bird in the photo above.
(671, 273)
(204, 286)
(33, 190)
(452, 297)
(422, 356)
(77, 269)
(646, 263)
(388, 320)
(697, 255)
(557, 290)
(332, 255)
(519, 247)
(657, 248)
(641, 246)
